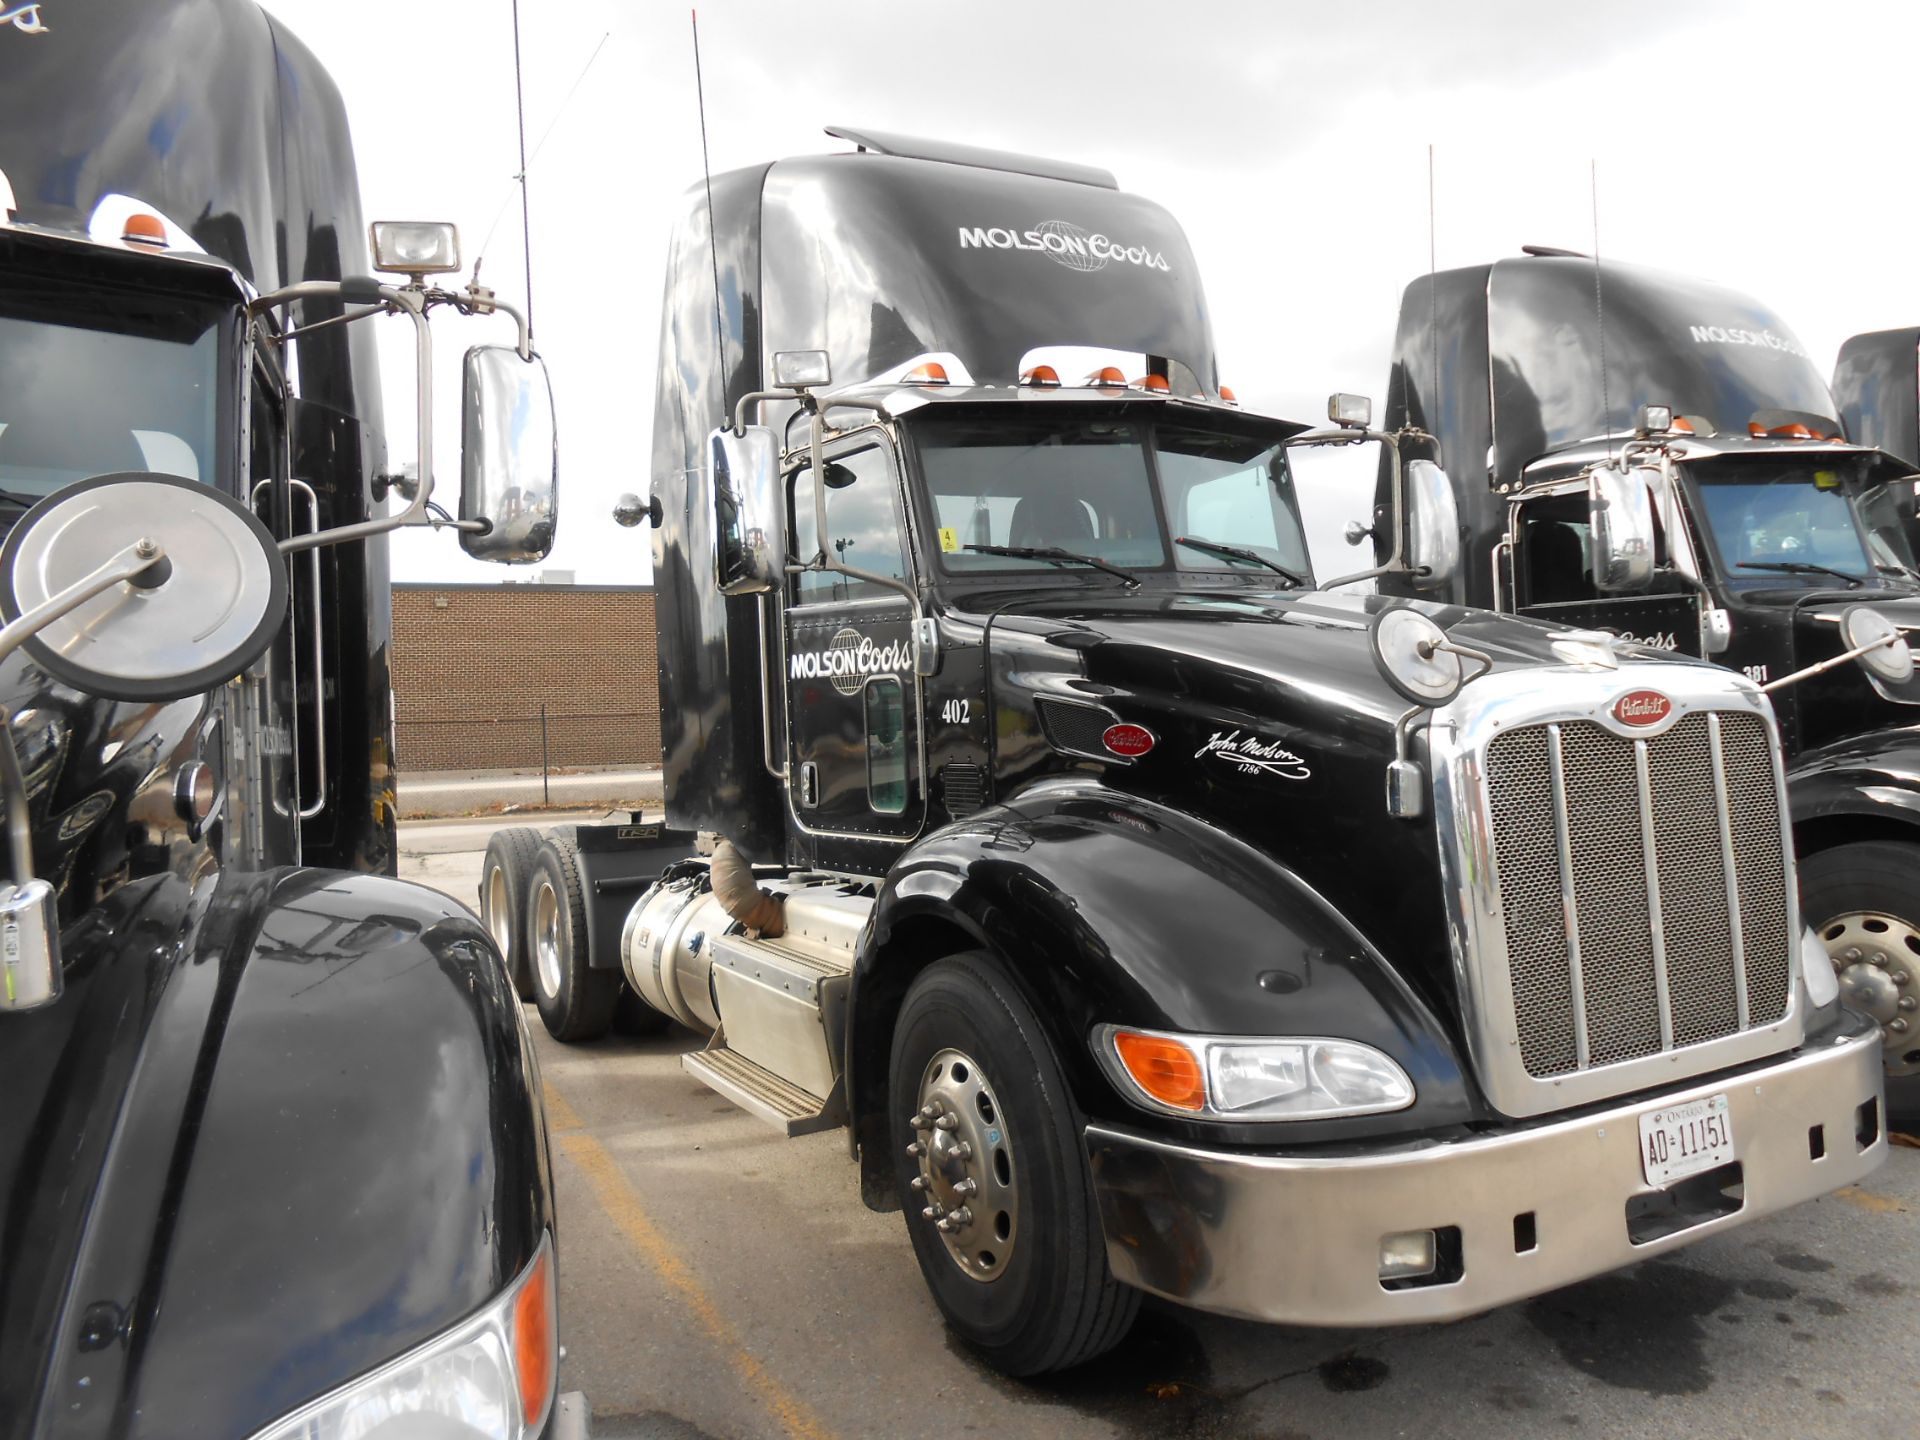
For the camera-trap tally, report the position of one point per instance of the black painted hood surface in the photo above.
(276, 1132)
(1270, 720)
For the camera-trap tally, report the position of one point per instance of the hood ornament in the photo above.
(1587, 649)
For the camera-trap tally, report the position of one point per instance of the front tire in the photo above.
(576, 1002)
(1863, 901)
(999, 1203)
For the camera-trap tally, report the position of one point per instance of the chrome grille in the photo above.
(1617, 857)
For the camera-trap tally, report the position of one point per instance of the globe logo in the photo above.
(1070, 245)
(845, 674)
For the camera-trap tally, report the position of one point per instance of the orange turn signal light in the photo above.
(931, 373)
(535, 1341)
(1228, 396)
(1165, 1069)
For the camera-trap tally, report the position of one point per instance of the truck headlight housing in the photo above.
(491, 1377)
(1252, 1078)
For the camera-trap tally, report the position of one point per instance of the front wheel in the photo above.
(993, 1175)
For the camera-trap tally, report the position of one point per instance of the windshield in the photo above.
(1793, 521)
(1117, 490)
(94, 385)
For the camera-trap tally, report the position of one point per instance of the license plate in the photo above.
(1683, 1140)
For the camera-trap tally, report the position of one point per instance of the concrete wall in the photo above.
(472, 665)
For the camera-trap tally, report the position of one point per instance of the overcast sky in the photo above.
(1768, 147)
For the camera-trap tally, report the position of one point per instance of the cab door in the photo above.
(854, 729)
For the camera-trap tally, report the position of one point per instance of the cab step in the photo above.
(763, 1094)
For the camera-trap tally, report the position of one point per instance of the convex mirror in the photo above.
(1433, 526)
(200, 616)
(1891, 658)
(509, 467)
(1620, 522)
(749, 543)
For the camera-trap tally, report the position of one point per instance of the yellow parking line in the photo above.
(1871, 1200)
(622, 1206)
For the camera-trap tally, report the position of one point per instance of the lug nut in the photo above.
(946, 1122)
(921, 1122)
(930, 1109)
(1907, 1002)
(1901, 977)
(1852, 952)
(1899, 1027)
(966, 1187)
(916, 1150)
(961, 1150)
(1879, 959)
(961, 1218)
(919, 1182)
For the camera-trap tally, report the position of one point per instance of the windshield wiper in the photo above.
(1241, 553)
(1800, 567)
(1055, 554)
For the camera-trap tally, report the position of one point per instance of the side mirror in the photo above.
(1433, 526)
(508, 462)
(749, 541)
(1620, 517)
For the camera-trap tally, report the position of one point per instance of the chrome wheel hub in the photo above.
(966, 1180)
(1877, 958)
(493, 905)
(546, 937)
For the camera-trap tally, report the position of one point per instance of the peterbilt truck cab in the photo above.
(1154, 918)
(272, 1155)
(1667, 465)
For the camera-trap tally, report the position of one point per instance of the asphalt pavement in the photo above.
(718, 1280)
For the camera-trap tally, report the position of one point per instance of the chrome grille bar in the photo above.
(1735, 928)
(1656, 920)
(1569, 898)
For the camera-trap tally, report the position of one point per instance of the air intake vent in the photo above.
(963, 789)
(1076, 729)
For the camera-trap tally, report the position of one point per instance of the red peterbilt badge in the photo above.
(1132, 741)
(1642, 707)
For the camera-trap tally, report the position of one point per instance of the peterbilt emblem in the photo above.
(1642, 707)
(1130, 741)
(24, 18)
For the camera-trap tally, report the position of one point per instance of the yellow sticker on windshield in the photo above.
(949, 539)
(1826, 479)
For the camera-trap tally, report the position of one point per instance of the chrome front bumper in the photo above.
(1295, 1239)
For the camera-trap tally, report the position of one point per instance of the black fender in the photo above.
(1107, 908)
(1866, 787)
(281, 1128)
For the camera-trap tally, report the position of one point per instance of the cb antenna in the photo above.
(526, 213)
(713, 238)
(1433, 306)
(1599, 304)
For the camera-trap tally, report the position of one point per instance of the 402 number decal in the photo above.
(956, 712)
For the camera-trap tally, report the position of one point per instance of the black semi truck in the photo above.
(1153, 919)
(1664, 462)
(272, 1154)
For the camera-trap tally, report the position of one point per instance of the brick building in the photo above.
(473, 665)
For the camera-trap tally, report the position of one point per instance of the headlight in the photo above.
(491, 1377)
(1823, 982)
(1217, 1077)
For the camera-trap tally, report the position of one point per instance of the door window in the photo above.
(863, 527)
(886, 714)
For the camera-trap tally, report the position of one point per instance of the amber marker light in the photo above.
(535, 1342)
(146, 230)
(1108, 375)
(1165, 1069)
(1156, 383)
(1228, 396)
(931, 373)
(1042, 376)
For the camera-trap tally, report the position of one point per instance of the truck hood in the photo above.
(1268, 718)
(276, 1131)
